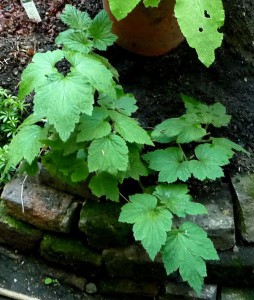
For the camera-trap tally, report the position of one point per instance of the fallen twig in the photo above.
(14, 295)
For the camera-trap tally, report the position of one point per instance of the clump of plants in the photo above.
(199, 22)
(11, 115)
(82, 128)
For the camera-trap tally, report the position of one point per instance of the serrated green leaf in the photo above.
(35, 73)
(75, 40)
(74, 18)
(151, 222)
(177, 200)
(30, 169)
(199, 21)
(62, 100)
(68, 168)
(107, 64)
(186, 249)
(121, 8)
(214, 114)
(210, 159)
(183, 130)
(100, 31)
(104, 184)
(124, 103)
(129, 129)
(94, 72)
(93, 127)
(26, 145)
(228, 145)
(137, 167)
(30, 120)
(109, 154)
(170, 164)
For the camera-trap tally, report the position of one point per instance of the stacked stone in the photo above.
(85, 237)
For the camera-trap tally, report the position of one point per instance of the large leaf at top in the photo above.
(177, 200)
(121, 8)
(214, 114)
(199, 21)
(109, 154)
(26, 145)
(94, 71)
(104, 184)
(35, 73)
(74, 18)
(186, 249)
(210, 159)
(170, 164)
(129, 129)
(100, 31)
(151, 222)
(95, 126)
(62, 100)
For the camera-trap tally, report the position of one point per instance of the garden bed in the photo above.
(156, 84)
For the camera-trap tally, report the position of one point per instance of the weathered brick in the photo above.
(44, 207)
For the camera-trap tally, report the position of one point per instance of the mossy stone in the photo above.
(16, 233)
(70, 252)
(99, 221)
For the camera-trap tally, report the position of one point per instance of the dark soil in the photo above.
(156, 82)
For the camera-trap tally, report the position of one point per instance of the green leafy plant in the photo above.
(11, 112)
(199, 22)
(185, 247)
(49, 281)
(82, 129)
(11, 115)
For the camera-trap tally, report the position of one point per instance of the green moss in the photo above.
(250, 187)
(15, 224)
(70, 250)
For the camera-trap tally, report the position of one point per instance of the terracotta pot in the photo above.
(148, 31)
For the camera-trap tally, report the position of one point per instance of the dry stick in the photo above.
(21, 194)
(15, 295)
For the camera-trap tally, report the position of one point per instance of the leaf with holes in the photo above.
(186, 249)
(199, 21)
(151, 222)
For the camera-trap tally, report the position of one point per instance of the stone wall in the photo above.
(85, 237)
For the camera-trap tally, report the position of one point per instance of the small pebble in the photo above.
(91, 288)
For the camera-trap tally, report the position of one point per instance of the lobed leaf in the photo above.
(151, 222)
(100, 31)
(104, 184)
(74, 18)
(186, 249)
(93, 127)
(109, 154)
(129, 129)
(136, 167)
(26, 144)
(170, 164)
(177, 200)
(35, 73)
